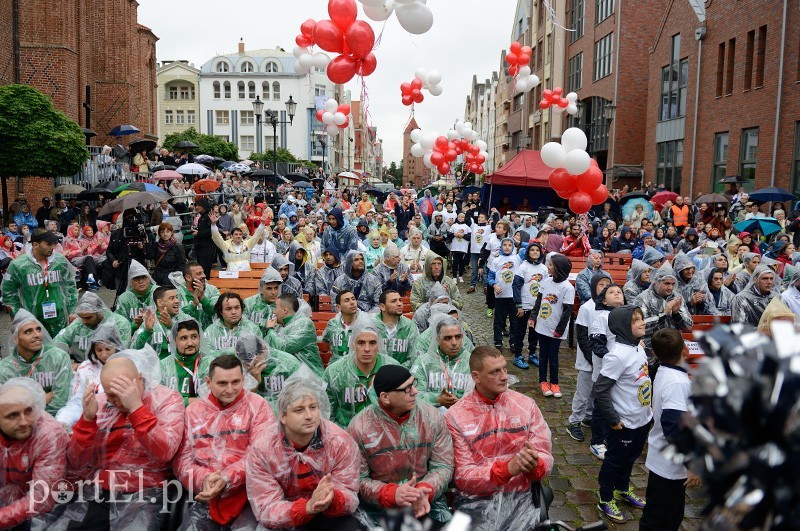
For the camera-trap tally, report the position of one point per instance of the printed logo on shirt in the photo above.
(355, 395)
(84, 343)
(438, 380)
(224, 342)
(507, 276)
(645, 392)
(534, 281)
(45, 379)
(37, 279)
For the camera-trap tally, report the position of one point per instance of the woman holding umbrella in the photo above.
(141, 164)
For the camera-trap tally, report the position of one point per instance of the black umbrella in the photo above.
(294, 176)
(95, 193)
(633, 195)
(110, 186)
(88, 132)
(218, 160)
(303, 184)
(164, 167)
(142, 144)
(738, 179)
(124, 130)
(185, 144)
(264, 172)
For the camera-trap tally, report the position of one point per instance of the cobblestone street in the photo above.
(574, 477)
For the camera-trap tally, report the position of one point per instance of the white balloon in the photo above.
(452, 134)
(327, 117)
(428, 139)
(416, 136)
(572, 97)
(331, 105)
(534, 81)
(554, 154)
(471, 135)
(421, 73)
(321, 60)
(557, 108)
(415, 18)
(521, 84)
(339, 118)
(435, 90)
(481, 144)
(484, 154)
(577, 162)
(467, 126)
(434, 77)
(371, 2)
(574, 138)
(405, 2)
(333, 130)
(306, 60)
(379, 12)
(426, 160)
(417, 150)
(524, 71)
(298, 51)
(572, 109)
(300, 69)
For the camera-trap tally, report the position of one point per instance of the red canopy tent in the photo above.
(526, 170)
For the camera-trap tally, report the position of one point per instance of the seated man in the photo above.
(158, 324)
(356, 278)
(442, 372)
(33, 460)
(35, 356)
(693, 288)
(302, 474)
(662, 307)
(435, 274)
(423, 314)
(211, 460)
(290, 284)
(197, 296)
(186, 366)
(260, 307)
(406, 449)
(297, 334)
(76, 338)
(502, 446)
(400, 332)
(271, 368)
(749, 304)
(328, 273)
(348, 380)
(140, 424)
(337, 331)
(138, 298)
(229, 325)
(392, 272)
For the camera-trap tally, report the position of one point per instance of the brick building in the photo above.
(64, 47)
(746, 68)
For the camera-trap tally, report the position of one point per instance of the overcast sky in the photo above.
(466, 39)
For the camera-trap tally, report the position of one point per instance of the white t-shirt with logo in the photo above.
(586, 315)
(460, 245)
(554, 296)
(633, 392)
(478, 237)
(532, 276)
(503, 267)
(600, 326)
(670, 391)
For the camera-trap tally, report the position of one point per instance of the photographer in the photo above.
(127, 243)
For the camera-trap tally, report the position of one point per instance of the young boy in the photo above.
(500, 280)
(667, 481)
(490, 250)
(624, 391)
(582, 403)
(527, 277)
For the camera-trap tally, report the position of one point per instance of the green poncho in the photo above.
(51, 368)
(298, 336)
(401, 345)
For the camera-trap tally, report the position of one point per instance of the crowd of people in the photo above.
(231, 399)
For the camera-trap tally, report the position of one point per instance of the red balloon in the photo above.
(555, 99)
(303, 41)
(474, 149)
(319, 114)
(360, 39)
(343, 108)
(513, 70)
(589, 180)
(417, 96)
(328, 36)
(561, 181)
(527, 50)
(341, 69)
(437, 158)
(407, 100)
(515, 47)
(593, 162)
(307, 28)
(599, 195)
(563, 103)
(459, 150)
(480, 170)
(346, 123)
(441, 144)
(544, 104)
(416, 83)
(480, 159)
(558, 90)
(469, 157)
(367, 66)
(342, 12)
(444, 168)
(565, 195)
(523, 59)
(580, 202)
(451, 155)
(405, 89)
(547, 94)
(511, 58)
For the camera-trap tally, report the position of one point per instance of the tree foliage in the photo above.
(207, 144)
(396, 172)
(36, 138)
(284, 155)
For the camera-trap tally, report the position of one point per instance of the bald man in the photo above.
(124, 444)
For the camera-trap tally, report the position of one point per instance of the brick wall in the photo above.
(33, 188)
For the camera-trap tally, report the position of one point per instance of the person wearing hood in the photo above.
(693, 288)
(653, 257)
(624, 391)
(348, 380)
(414, 252)
(196, 295)
(373, 250)
(325, 276)
(427, 336)
(527, 279)
(662, 307)
(750, 242)
(229, 325)
(460, 233)
(582, 400)
(237, 250)
(187, 364)
(304, 267)
(434, 273)
(211, 461)
(690, 241)
(721, 296)
(406, 447)
(501, 279)
(662, 243)
(156, 326)
(297, 334)
(638, 279)
(552, 312)
(748, 305)
(288, 207)
(439, 234)
(750, 261)
(270, 368)
(339, 235)
(138, 298)
(399, 332)
(594, 267)
(91, 311)
(645, 242)
(392, 272)
(259, 308)
(290, 285)
(625, 243)
(791, 295)
(423, 314)
(355, 277)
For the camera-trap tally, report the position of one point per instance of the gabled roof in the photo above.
(411, 126)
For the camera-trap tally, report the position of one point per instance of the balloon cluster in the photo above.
(575, 175)
(430, 81)
(305, 59)
(414, 16)
(553, 98)
(352, 39)
(334, 116)
(518, 59)
(438, 151)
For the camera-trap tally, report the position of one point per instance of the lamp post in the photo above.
(272, 117)
(324, 143)
(258, 108)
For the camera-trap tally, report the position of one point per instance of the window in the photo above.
(720, 69)
(247, 118)
(251, 90)
(604, 9)
(169, 117)
(729, 67)
(268, 142)
(575, 73)
(222, 137)
(271, 67)
(240, 86)
(603, 55)
(673, 84)
(720, 157)
(265, 90)
(227, 88)
(761, 52)
(222, 66)
(539, 54)
(216, 90)
(796, 165)
(575, 20)
(247, 143)
(187, 92)
(669, 164)
(247, 66)
(518, 101)
(319, 90)
(222, 117)
(748, 59)
(191, 119)
(173, 93)
(276, 90)
(748, 152)
(179, 118)
(540, 14)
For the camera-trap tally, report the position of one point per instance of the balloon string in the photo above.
(380, 35)
(554, 16)
(585, 230)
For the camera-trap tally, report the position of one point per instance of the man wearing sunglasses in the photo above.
(406, 447)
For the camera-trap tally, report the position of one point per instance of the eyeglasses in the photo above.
(407, 389)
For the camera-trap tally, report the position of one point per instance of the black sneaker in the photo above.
(587, 422)
(575, 431)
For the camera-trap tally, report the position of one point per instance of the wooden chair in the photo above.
(255, 273)
(322, 317)
(711, 319)
(324, 353)
(409, 315)
(320, 326)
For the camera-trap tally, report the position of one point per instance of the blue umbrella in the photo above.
(226, 164)
(124, 130)
(765, 195)
(767, 226)
(629, 207)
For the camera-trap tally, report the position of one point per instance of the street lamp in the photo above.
(324, 143)
(258, 108)
(272, 117)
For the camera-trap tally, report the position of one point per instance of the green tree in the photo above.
(207, 144)
(284, 155)
(397, 173)
(36, 138)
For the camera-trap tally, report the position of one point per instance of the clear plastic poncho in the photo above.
(185, 374)
(76, 338)
(436, 372)
(749, 304)
(299, 338)
(129, 303)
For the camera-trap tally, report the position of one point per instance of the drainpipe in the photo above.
(780, 95)
(613, 137)
(15, 32)
(696, 109)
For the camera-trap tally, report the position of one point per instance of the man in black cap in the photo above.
(407, 448)
(43, 214)
(203, 244)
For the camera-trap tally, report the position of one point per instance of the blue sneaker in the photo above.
(92, 285)
(533, 359)
(610, 510)
(519, 361)
(630, 498)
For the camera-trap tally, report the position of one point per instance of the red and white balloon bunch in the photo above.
(518, 59)
(439, 151)
(414, 16)
(553, 98)
(305, 58)
(475, 157)
(430, 81)
(334, 116)
(575, 175)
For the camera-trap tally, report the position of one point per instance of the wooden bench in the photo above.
(254, 273)
(322, 317)
(707, 322)
(324, 353)
(245, 287)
